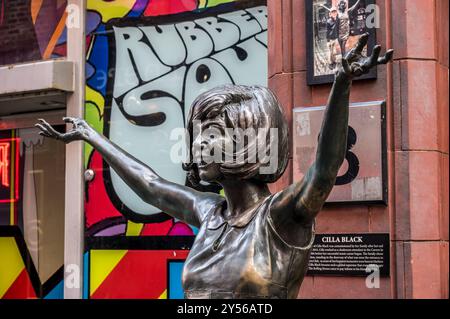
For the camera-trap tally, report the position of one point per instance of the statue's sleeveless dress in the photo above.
(244, 258)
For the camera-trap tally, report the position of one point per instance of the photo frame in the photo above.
(331, 31)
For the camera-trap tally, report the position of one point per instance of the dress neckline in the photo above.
(216, 219)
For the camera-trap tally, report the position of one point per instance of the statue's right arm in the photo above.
(179, 201)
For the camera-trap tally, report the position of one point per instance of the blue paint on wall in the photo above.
(175, 289)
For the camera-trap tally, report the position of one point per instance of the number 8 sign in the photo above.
(362, 177)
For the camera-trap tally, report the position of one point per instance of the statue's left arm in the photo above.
(302, 201)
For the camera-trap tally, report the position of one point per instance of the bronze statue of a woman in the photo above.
(250, 244)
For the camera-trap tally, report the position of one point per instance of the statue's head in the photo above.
(236, 132)
(342, 5)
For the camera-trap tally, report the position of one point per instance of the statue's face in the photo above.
(207, 149)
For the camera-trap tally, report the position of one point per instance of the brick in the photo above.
(444, 199)
(442, 107)
(284, 180)
(307, 288)
(397, 105)
(425, 264)
(301, 91)
(370, 90)
(444, 270)
(299, 35)
(378, 219)
(401, 215)
(320, 94)
(413, 30)
(343, 219)
(419, 106)
(424, 195)
(442, 31)
(275, 30)
(286, 11)
(417, 196)
(401, 276)
(348, 288)
(281, 85)
(399, 34)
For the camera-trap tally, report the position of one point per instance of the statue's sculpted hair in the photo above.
(228, 102)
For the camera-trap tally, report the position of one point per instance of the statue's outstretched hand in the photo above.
(80, 130)
(354, 64)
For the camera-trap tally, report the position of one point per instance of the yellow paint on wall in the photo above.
(163, 295)
(102, 263)
(111, 9)
(11, 264)
(96, 98)
(134, 229)
(213, 3)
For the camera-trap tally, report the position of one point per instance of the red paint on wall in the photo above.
(140, 274)
(163, 7)
(21, 288)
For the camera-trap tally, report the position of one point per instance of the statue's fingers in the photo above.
(44, 123)
(43, 129)
(50, 128)
(358, 71)
(68, 119)
(71, 120)
(362, 42)
(350, 54)
(39, 126)
(375, 55)
(44, 134)
(346, 67)
(387, 57)
(355, 65)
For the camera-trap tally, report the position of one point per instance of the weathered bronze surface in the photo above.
(253, 244)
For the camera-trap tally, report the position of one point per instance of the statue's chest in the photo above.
(228, 257)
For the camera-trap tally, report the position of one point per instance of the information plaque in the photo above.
(350, 255)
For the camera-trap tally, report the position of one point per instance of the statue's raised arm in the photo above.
(302, 201)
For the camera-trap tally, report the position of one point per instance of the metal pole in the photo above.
(74, 191)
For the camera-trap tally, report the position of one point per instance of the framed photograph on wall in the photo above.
(333, 27)
(362, 177)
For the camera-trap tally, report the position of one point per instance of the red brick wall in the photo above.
(416, 89)
(421, 142)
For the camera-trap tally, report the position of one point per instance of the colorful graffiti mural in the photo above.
(19, 278)
(32, 30)
(146, 62)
